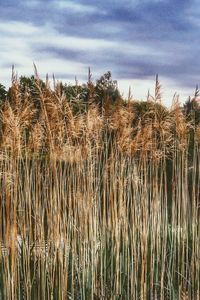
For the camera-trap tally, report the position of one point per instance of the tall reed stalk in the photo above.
(97, 206)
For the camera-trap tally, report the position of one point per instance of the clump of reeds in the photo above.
(101, 204)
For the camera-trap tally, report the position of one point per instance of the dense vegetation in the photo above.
(99, 195)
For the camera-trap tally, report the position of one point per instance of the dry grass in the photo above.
(97, 206)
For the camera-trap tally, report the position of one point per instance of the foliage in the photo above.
(3, 93)
(106, 88)
(192, 108)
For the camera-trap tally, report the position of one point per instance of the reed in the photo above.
(102, 204)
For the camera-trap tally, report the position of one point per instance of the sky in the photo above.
(134, 39)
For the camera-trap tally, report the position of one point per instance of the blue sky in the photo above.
(133, 39)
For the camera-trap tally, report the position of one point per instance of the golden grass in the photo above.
(97, 205)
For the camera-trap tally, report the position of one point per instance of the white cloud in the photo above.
(21, 44)
(15, 27)
(18, 46)
(74, 6)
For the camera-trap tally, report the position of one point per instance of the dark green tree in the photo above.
(191, 108)
(3, 93)
(28, 87)
(107, 89)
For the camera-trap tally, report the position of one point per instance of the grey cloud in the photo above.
(161, 26)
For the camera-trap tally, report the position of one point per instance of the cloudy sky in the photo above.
(134, 39)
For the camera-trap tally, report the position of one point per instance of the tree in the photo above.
(3, 93)
(28, 88)
(191, 108)
(107, 89)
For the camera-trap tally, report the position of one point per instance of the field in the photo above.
(99, 196)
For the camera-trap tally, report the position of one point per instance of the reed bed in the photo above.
(102, 204)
